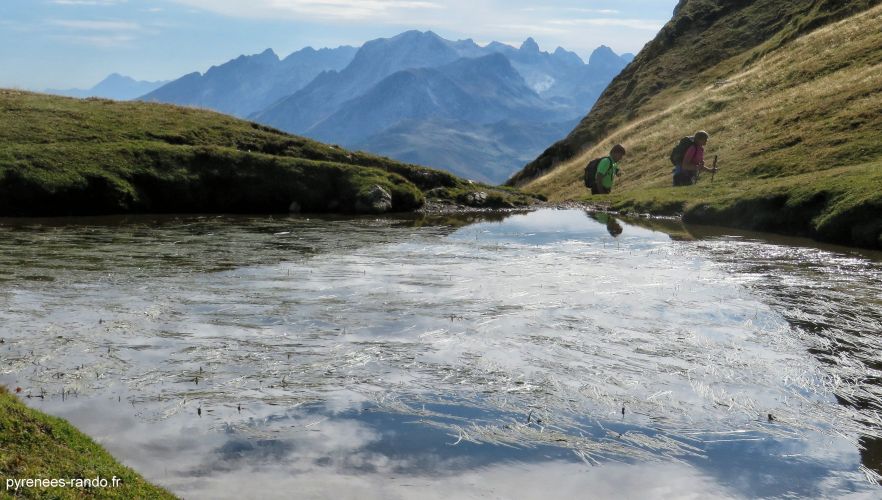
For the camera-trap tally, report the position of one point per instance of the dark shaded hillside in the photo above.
(64, 156)
(701, 34)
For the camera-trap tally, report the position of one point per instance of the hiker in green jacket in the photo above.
(608, 170)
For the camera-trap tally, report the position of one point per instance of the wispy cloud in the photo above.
(87, 2)
(97, 33)
(108, 41)
(88, 25)
(637, 24)
(583, 10)
(484, 19)
(351, 10)
(531, 29)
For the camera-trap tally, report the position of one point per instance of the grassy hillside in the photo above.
(795, 121)
(700, 35)
(63, 156)
(35, 445)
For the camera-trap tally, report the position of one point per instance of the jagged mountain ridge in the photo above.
(467, 113)
(387, 82)
(250, 83)
(356, 106)
(479, 91)
(381, 58)
(374, 61)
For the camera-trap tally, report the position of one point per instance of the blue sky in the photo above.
(76, 43)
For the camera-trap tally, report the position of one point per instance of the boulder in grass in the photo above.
(476, 199)
(375, 200)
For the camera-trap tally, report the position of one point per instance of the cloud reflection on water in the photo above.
(308, 453)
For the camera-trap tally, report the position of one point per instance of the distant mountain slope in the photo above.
(541, 70)
(485, 153)
(115, 86)
(469, 117)
(554, 74)
(581, 85)
(791, 98)
(250, 83)
(477, 91)
(374, 61)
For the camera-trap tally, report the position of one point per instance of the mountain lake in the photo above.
(551, 354)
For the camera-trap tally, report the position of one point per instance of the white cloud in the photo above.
(87, 2)
(576, 28)
(530, 29)
(548, 8)
(637, 24)
(97, 33)
(101, 41)
(89, 25)
(348, 10)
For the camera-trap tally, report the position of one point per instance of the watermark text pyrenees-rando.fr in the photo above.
(78, 482)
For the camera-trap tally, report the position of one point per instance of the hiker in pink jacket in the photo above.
(686, 173)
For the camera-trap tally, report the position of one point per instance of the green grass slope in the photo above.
(795, 121)
(36, 446)
(64, 156)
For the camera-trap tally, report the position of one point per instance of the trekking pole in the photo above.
(714, 171)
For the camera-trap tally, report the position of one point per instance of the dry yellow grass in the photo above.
(810, 105)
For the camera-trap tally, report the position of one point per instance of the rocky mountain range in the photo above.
(251, 83)
(478, 111)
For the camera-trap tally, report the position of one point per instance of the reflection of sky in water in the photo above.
(494, 359)
(548, 227)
